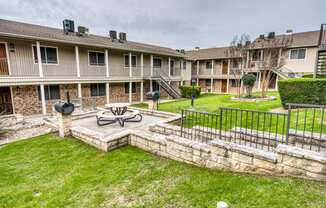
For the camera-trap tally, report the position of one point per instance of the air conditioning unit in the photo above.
(82, 31)
(271, 35)
(262, 36)
(122, 36)
(68, 26)
(113, 34)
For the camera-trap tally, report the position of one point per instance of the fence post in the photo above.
(288, 124)
(181, 123)
(221, 112)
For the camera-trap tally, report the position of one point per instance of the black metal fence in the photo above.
(302, 126)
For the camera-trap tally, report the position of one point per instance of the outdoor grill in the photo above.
(65, 108)
(154, 95)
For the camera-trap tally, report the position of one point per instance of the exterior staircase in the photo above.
(164, 81)
(321, 55)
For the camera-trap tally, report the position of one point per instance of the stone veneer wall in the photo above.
(26, 100)
(64, 88)
(117, 93)
(91, 101)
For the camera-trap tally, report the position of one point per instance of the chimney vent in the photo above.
(113, 34)
(122, 36)
(68, 26)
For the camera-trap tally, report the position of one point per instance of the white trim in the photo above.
(79, 90)
(130, 64)
(43, 99)
(305, 55)
(106, 56)
(46, 46)
(7, 56)
(142, 65)
(12, 100)
(107, 88)
(77, 60)
(151, 85)
(89, 65)
(228, 77)
(152, 66)
(39, 59)
(142, 91)
(130, 91)
(212, 69)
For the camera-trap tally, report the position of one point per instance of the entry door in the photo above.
(3, 60)
(5, 101)
(224, 85)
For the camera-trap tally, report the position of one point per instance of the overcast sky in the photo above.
(173, 23)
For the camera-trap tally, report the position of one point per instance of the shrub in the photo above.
(312, 76)
(302, 90)
(249, 82)
(186, 91)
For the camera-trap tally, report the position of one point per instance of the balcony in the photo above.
(4, 67)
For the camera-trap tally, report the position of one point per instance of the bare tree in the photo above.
(273, 57)
(237, 51)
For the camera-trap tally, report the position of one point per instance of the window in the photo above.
(49, 55)
(235, 64)
(257, 55)
(157, 62)
(184, 65)
(133, 87)
(298, 53)
(96, 58)
(51, 92)
(133, 61)
(208, 82)
(234, 83)
(209, 65)
(98, 90)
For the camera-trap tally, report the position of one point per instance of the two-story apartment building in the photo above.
(216, 72)
(39, 64)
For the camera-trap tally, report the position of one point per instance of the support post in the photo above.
(169, 67)
(107, 63)
(77, 61)
(151, 85)
(130, 92)
(107, 86)
(43, 99)
(259, 81)
(152, 66)
(212, 72)
(79, 90)
(142, 65)
(228, 78)
(39, 59)
(130, 65)
(142, 91)
(197, 73)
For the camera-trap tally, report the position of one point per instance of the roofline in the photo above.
(13, 35)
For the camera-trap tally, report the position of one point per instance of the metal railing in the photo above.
(302, 126)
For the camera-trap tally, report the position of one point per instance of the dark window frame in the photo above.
(160, 62)
(209, 65)
(295, 54)
(133, 60)
(98, 90)
(49, 92)
(45, 54)
(184, 65)
(98, 58)
(133, 88)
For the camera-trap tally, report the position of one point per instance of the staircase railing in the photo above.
(164, 81)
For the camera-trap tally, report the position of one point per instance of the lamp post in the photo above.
(193, 81)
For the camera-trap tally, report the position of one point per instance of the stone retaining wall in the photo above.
(217, 154)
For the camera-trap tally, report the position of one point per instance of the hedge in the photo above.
(186, 91)
(311, 76)
(302, 90)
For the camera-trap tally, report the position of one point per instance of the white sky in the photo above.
(174, 23)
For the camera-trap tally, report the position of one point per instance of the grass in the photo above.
(212, 102)
(50, 172)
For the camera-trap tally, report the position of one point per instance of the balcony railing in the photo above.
(4, 69)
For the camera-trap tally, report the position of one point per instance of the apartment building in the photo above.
(217, 72)
(39, 65)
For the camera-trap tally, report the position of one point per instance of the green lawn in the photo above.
(51, 172)
(212, 102)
